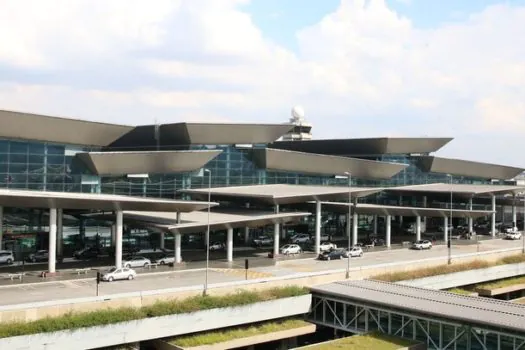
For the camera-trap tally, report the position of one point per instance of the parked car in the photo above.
(332, 254)
(115, 274)
(166, 259)
(262, 241)
(6, 257)
(217, 246)
(513, 235)
(422, 244)
(39, 256)
(289, 249)
(353, 252)
(137, 261)
(325, 246)
(86, 253)
(301, 238)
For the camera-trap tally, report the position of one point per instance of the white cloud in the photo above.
(363, 70)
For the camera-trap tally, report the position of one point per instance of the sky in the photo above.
(359, 68)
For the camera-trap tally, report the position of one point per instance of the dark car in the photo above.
(86, 253)
(39, 256)
(332, 254)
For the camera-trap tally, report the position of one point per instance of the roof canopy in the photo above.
(197, 221)
(147, 162)
(466, 168)
(324, 164)
(368, 146)
(282, 194)
(376, 209)
(87, 201)
(462, 190)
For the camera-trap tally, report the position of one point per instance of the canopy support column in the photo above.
(178, 239)
(246, 235)
(375, 224)
(424, 217)
(493, 217)
(1, 226)
(514, 213)
(276, 235)
(118, 238)
(355, 219)
(470, 219)
(229, 245)
(445, 229)
(388, 230)
(162, 239)
(51, 263)
(418, 228)
(317, 227)
(60, 232)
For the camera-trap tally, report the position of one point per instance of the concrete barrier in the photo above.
(34, 311)
(160, 327)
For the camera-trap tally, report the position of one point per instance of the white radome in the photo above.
(298, 112)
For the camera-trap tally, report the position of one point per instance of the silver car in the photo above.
(115, 274)
(137, 261)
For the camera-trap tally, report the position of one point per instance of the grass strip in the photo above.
(221, 336)
(446, 269)
(501, 283)
(72, 321)
(375, 341)
(459, 291)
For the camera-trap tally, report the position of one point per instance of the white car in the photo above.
(513, 235)
(167, 259)
(423, 244)
(137, 261)
(6, 257)
(124, 273)
(327, 246)
(301, 238)
(216, 246)
(353, 252)
(289, 249)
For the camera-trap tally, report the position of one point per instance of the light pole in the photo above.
(449, 242)
(349, 175)
(205, 291)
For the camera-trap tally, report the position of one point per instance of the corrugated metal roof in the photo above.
(473, 310)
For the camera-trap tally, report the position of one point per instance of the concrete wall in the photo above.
(34, 311)
(464, 278)
(160, 327)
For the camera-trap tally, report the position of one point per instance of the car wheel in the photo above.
(33, 260)
(9, 261)
(110, 279)
(130, 277)
(340, 257)
(162, 262)
(360, 254)
(328, 258)
(146, 265)
(128, 266)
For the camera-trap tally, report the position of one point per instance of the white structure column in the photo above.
(51, 263)
(401, 204)
(355, 219)
(113, 235)
(470, 219)
(317, 226)
(375, 224)
(514, 213)
(246, 234)
(276, 235)
(445, 228)
(418, 228)
(388, 230)
(118, 238)
(60, 232)
(162, 238)
(424, 217)
(178, 239)
(493, 217)
(348, 227)
(1, 227)
(229, 245)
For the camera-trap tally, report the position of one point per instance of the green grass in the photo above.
(519, 301)
(446, 269)
(217, 337)
(459, 291)
(373, 341)
(502, 283)
(73, 321)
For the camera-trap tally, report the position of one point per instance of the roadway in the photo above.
(77, 286)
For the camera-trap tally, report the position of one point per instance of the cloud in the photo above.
(363, 70)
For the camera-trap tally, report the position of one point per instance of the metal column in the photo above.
(317, 226)
(445, 229)
(118, 238)
(229, 245)
(1, 226)
(375, 224)
(162, 238)
(276, 235)
(246, 235)
(60, 232)
(425, 218)
(355, 219)
(493, 217)
(418, 228)
(470, 220)
(388, 223)
(51, 263)
(178, 239)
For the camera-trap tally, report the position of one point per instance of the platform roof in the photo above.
(197, 221)
(282, 194)
(461, 190)
(89, 201)
(146, 162)
(310, 163)
(377, 209)
(466, 168)
(435, 303)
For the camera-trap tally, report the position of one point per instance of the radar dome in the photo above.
(298, 112)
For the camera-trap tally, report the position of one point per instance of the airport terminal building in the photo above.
(253, 170)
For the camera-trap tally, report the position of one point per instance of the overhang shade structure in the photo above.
(459, 190)
(197, 221)
(146, 162)
(366, 146)
(430, 164)
(89, 201)
(282, 194)
(311, 163)
(27, 126)
(377, 209)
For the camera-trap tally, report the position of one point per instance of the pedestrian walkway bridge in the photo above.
(440, 319)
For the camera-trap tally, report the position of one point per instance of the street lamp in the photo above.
(449, 242)
(205, 291)
(349, 176)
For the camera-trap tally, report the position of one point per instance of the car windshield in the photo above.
(286, 246)
(113, 269)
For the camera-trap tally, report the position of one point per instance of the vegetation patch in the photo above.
(446, 269)
(233, 333)
(501, 283)
(460, 291)
(74, 321)
(376, 341)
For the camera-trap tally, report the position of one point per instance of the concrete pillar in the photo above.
(1, 227)
(418, 228)
(51, 263)
(388, 229)
(317, 227)
(493, 217)
(276, 235)
(118, 238)
(229, 245)
(113, 235)
(401, 204)
(246, 235)
(425, 204)
(470, 220)
(348, 227)
(60, 232)
(178, 257)
(375, 224)
(445, 228)
(162, 239)
(514, 214)
(355, 219)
